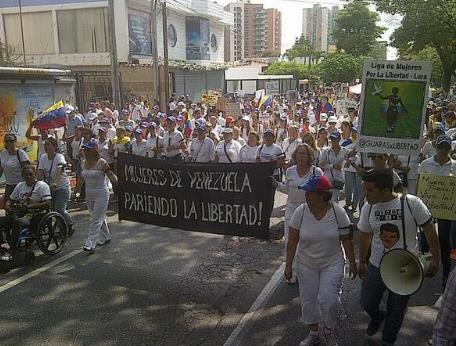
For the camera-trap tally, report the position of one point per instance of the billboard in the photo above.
(139, 33)
(197, 38)
(393, 106)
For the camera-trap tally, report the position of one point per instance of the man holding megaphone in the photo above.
(388, 223)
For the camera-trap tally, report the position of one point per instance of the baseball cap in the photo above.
(268, 132)
(323, 116)
(332, 119)
(171, 118)
(335, 135)
(443, 139)
(102, 129)
(153, 124)
(449, 114)
(316, 183)
(138, 131)
(69, 109)
(229, 119)
(201, 127)
(128, 128)
(90, 145)
(322, 129)
(227, 130)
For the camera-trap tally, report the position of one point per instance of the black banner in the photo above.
(232, 199)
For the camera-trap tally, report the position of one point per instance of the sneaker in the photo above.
(312, 339)
(453, 254)
(329, 336)
(374, 326)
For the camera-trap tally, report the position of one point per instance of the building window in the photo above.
(172, 35)
(83, 31)
(214, 45)
(38, 32)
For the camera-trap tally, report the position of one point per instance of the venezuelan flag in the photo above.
(52, 118)
(265, 101)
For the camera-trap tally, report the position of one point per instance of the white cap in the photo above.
(69, 109)
(246, 117)
(323, 116)
(332, 119)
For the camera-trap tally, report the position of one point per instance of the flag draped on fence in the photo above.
(52, 118)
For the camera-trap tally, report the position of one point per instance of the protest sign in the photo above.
(393, 106)
(210, 100)
(230, 108)
(272, 87)
(439, 195)
(232, 199)
(342, 107)
(259, 94)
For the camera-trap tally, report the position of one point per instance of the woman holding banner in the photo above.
(295, 176)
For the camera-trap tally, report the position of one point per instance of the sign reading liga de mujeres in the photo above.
(393, 106)
(232, 199)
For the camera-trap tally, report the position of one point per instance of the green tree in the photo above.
(356, 28)
(299, 71)
(340, 67)
(430, 54)
(270, 54)
(302, 48)
(429, 23)
(7, 57)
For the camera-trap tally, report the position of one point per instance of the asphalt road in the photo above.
(159, 286)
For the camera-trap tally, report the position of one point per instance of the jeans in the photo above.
(352, 188)
(60, 199)
(372, 291)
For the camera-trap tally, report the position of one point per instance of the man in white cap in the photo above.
(202, 149)
(332, 122)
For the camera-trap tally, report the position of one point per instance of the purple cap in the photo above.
(171, 119)
(443, 139)
(335, 135)
(90, 145)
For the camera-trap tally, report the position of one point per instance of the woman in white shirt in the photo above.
(248, 152)
(295, 176)
(173, 141)
(317, 229)
(154, 142)
(331, 161)
(51, 169)
(202, 149)
(94, 173)
(139, 144)
(227, 151)
(12, 160)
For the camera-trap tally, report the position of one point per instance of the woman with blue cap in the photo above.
(139, 144)
(317, 230)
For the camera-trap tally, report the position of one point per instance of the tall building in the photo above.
(256, 30)
(317, 26)
(274, 31)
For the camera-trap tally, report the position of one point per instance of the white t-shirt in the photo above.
(433, 167)
(374, 216)
(155, 142)
(40, 193)
(49, 168)
(248, 153)
(76, 148)
(202, 151)
(12, 167)
(172, 139)
(268, 153)
(139, 149)
(232, 149)
(288, 148)
(319, 243)
(329, 159)
(293, 180)
(103, 150)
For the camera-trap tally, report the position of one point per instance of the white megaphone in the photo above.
(403, 272)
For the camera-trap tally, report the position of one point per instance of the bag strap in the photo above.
(337, 219)
(259, 152)
(404, 240)
(226, 153)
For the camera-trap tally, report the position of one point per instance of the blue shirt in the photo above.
(73, 123)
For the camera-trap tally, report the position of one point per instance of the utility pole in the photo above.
(22, 32)
(165, 57)
(153, 31)
(114, 64)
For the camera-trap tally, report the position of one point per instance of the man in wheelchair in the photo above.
(28, 202)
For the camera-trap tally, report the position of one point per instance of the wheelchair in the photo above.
(47, 229)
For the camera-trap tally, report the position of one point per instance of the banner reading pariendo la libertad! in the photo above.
(393, 106)
(232, 199)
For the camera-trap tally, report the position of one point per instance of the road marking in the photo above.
(256, 309)
(38, 271)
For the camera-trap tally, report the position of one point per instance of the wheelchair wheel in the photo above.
(51, 233)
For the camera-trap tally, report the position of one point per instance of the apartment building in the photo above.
(317, 26)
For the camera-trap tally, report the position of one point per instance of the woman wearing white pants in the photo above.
(295, 176)
(317, 229)
(94, 173)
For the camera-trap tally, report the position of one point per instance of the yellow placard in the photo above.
(439, 195)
